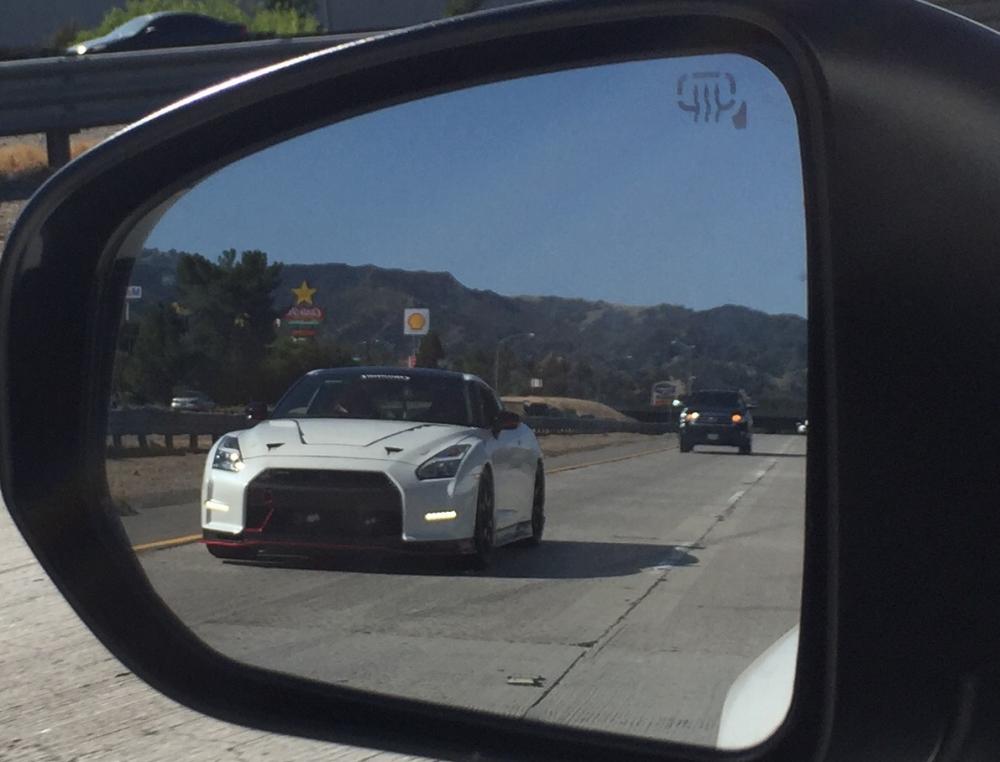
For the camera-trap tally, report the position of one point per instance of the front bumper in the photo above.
(326, 504)
(729, 436)
(305, 546)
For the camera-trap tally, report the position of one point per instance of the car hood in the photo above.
(408, 441)
(96, 44)
(758, 701)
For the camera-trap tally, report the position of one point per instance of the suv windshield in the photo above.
(386, 396)
(714, 399)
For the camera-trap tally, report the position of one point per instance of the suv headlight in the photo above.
(227, 455)
(445, 464)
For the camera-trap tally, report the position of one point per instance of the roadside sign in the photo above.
(416, 321)
(132, 293)
(305, 316)
(663, 393)
(536, 383)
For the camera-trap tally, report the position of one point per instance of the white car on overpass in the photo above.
(384, 459)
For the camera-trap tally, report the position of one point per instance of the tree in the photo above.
(478, 362)
(158, 359)
(285, 22)
(65, 34)
(302, 7)
(282, 17)
(431, 351)
(554, 372)
(288, 360)
(231, 320)
(460, 7)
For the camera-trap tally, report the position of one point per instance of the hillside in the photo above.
(617, 351)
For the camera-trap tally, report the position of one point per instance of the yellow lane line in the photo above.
(171, 543)
(609, 460)
(188, 539)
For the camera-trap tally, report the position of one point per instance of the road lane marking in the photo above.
(173, 542)
(609, 460)
(188, 539)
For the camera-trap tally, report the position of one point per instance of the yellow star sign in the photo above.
(304, 294)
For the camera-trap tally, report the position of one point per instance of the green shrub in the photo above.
(279, 20)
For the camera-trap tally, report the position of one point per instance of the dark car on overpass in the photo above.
(163, 30)
(717, 417)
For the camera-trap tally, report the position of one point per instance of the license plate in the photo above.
(713, 437)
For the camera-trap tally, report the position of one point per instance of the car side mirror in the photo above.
(506, 420)
(256, 411)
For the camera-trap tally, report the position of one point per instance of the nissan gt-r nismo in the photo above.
(376, 458)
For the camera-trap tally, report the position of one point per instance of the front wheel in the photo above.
(685, 446)
(485, 524)
(746, 449)
(538, 508)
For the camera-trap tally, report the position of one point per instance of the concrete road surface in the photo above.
(661, 577)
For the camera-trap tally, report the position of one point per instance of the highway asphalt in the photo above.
(661, 577)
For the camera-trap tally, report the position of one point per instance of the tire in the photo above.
(537, 508)
(228, 553)
(685, 447)
(746, 449)
(485, 530)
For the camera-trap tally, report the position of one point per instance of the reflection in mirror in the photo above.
(489, 399)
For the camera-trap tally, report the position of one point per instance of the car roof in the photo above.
(395, 371)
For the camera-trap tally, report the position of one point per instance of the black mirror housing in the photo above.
(919, 674)
(506, 420)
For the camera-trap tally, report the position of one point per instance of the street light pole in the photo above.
(496, 357)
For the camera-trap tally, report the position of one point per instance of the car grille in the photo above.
(341, 507)
(714, 420)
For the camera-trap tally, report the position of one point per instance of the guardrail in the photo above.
(144, 423)
(62, 95)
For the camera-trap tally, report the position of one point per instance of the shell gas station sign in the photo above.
(416, 321)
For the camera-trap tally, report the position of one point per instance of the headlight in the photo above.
(445, 464)
(227, 455)
(691, 417)
(737, 418)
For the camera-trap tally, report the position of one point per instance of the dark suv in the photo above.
(717, 417)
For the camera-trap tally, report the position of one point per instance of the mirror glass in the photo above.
(311, 440)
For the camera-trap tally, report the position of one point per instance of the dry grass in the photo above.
(20, 159)
(568, 405)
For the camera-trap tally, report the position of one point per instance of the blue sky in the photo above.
(591, 183)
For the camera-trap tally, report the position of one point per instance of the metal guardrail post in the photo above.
(57, 147)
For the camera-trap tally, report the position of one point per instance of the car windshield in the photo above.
(388, 396)
(714, 399)
(130, 27)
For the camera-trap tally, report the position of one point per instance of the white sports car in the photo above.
(376, 458)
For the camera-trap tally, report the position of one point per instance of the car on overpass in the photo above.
(717, 417)
(383, 459)
(163, 30)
